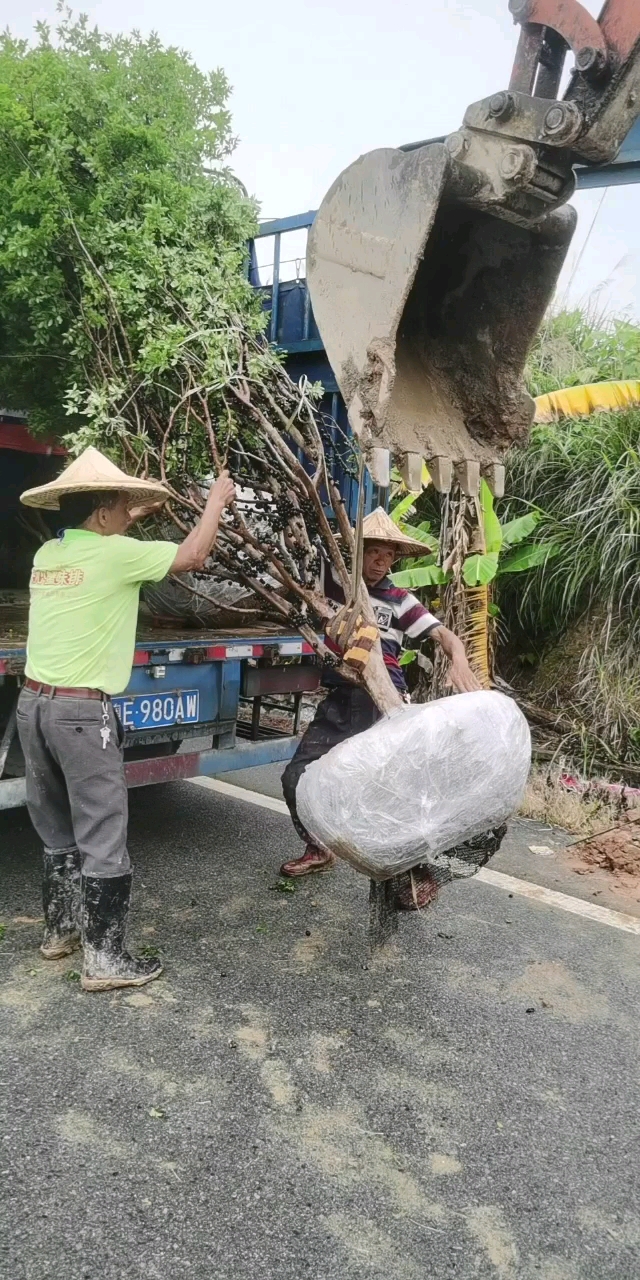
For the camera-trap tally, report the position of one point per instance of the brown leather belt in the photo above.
(56, 691)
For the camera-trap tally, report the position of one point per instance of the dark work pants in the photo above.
(76, 788)
(345, 711)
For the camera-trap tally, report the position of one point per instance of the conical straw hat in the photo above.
(379, 527)
(91, 472)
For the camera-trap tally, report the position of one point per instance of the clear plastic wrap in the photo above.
(208, 600)
(418, 783)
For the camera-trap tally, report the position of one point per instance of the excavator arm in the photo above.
(431, 269)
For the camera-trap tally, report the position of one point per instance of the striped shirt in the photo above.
(399, 617)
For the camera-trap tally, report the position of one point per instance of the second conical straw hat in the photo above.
(379, 527)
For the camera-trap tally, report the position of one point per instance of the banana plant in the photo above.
(506, 548)
(424, 571)
(496, 549)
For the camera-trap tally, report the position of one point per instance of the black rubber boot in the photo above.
(61, 902)
(105, 907)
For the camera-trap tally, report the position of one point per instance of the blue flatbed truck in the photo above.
(208, 686)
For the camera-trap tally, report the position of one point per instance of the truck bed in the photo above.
(152, 633)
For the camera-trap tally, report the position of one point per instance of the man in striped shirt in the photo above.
(348, 709)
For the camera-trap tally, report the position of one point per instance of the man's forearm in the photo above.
(206, 531)
(449, 642)
(193, 552)
(461, 677)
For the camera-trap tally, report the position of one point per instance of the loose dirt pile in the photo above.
(606, 818)
(616, 850)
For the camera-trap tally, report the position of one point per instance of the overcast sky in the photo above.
(316, 84)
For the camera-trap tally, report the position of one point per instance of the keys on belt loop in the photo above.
(105, 730)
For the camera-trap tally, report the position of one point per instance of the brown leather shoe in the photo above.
(421, 890)
(313, 859)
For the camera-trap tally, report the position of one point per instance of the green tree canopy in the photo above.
(122, 232)
(127, 320)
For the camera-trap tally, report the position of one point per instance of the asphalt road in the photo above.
(280, 1106)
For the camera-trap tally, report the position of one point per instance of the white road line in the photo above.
(578, 907)
(510, 884)
(241, 793)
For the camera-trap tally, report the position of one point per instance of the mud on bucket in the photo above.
(427, 306)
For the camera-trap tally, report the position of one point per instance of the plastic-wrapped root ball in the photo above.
(419, 782)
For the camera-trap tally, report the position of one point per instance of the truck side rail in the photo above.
(231, 673)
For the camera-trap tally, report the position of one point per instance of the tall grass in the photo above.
(582, 346)
(584, 475)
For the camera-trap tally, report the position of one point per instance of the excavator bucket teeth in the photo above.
(427, 309)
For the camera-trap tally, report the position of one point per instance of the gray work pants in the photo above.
(76, 789)
(346, 711)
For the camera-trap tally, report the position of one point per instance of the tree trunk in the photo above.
(375, 676)
(465, 610)
(355, 631)
(379, 685)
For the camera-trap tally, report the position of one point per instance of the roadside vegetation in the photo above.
(571, 627)
(584, 812)
(553, 577)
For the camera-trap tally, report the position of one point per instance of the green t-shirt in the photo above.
(84, 607)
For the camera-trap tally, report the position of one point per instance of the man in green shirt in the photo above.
(84, 593)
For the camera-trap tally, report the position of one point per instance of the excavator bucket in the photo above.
(427, 306)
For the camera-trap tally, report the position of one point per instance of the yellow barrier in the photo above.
(578, 402)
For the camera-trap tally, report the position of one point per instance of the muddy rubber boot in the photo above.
(105, 907)
(61, 903)
(312, 860)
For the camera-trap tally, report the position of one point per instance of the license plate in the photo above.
(157, 711)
